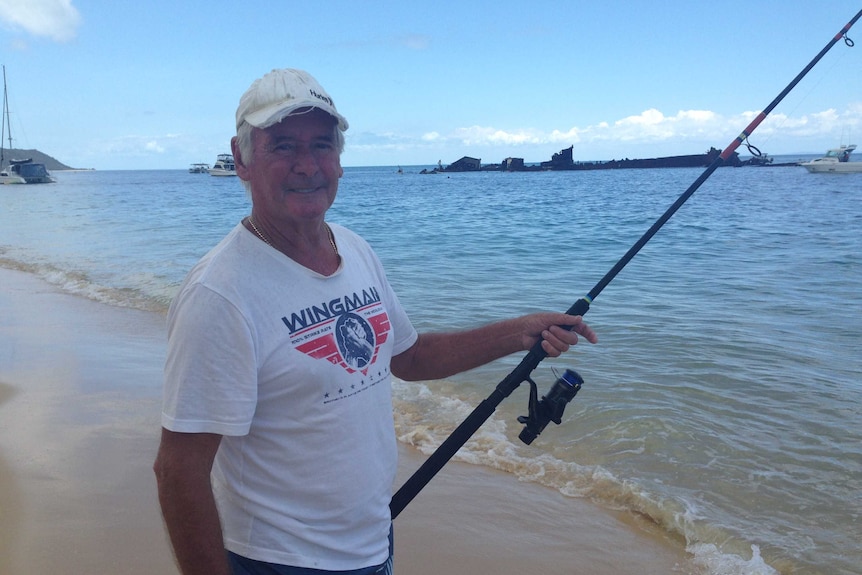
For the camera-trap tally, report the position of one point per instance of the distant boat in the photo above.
(29, 171)
(224, 166)
(24, 171)
(199, 168)
(836, 160)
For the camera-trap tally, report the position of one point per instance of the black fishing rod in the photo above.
(551, 407)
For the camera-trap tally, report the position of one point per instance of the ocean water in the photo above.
(722, 403)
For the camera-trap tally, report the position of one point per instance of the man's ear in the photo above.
(241, 168)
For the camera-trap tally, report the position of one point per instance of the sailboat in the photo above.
(24, 171)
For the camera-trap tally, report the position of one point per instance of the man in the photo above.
(278, 448)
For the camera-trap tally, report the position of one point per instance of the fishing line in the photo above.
(816, 84)
(551, 406)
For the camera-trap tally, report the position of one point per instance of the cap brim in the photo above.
(274, 113)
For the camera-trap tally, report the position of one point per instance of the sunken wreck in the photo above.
(563, 160)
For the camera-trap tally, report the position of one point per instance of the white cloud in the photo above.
(697, 115)
(485, 135)
(652, 126)
(54, 19)
(649, 117)
(647, 134)
(153, 146)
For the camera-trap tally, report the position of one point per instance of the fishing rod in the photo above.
(551, 406)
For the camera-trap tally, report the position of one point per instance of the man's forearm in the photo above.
(436, 356)
(439, 355)
(182, 469)
(194, 527)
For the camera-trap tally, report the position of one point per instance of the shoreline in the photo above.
(80, 386)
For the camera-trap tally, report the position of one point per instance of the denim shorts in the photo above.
(244, 566)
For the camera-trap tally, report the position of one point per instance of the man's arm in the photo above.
(439, 355)
(182, 468)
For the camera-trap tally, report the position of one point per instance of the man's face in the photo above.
(295, 168)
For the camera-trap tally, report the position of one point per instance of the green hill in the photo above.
(37, 156)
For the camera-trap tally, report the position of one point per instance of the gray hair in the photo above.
(246, 146)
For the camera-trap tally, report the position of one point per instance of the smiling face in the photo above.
(294, 170)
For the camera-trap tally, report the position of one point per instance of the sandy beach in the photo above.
(79, 424)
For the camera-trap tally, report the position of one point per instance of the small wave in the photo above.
(710, 558)
(425, 418)
(81, 284)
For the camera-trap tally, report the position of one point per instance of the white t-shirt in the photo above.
(292, 368)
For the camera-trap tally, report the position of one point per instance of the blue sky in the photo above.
(112, 84)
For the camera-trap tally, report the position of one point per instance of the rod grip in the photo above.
(580, 307)
(536, 354)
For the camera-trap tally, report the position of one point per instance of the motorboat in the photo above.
(199, 168)
(24, 171)
(224, 166)
(836, 160)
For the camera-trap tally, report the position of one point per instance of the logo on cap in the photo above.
(321, 97)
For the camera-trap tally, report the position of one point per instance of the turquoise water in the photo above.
(723, 400)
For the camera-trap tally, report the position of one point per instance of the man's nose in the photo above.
(305, 161)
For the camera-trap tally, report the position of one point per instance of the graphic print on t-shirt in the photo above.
(355, 340)
(347, 331)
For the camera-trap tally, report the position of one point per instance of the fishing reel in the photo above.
(551, 406)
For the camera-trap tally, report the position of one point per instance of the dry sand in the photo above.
(79, 426)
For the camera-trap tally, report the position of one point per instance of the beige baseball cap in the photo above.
(278, 94)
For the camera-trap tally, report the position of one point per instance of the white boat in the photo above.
(836, 160)
(24, 171)
(199, 168)
(7, 178)
(224, 166)
(28, 171)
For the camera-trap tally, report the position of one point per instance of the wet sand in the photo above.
(79, 426)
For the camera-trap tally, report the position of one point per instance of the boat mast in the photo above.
(6, 121)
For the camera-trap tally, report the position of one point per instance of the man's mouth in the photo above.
(306, 190)
(302, 190)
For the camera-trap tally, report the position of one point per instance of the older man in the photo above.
(267, 464)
